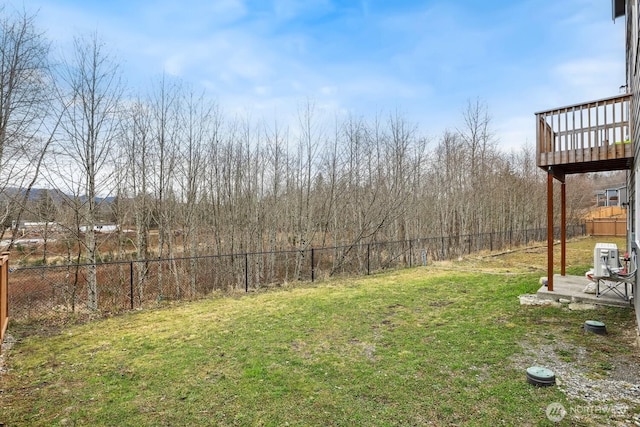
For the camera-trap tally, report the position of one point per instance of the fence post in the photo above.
(368, 258)
(410, 253)
(313, 268)
(246, 272)
(491, 241)
(131, 282)
(4, 294)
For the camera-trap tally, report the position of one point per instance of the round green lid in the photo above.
(540, 372)
(595, 323)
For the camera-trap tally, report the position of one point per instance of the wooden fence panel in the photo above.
(607, 227)
(4, 301)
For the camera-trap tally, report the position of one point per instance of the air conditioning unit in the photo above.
(605, 254)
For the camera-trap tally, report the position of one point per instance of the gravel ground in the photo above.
(7, 344)
(596, 399)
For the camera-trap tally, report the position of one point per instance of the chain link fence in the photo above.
(40, 292)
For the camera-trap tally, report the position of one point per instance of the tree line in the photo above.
(190, 179)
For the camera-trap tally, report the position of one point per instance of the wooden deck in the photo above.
(588, 137)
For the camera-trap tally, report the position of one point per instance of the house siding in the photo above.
(633, 86)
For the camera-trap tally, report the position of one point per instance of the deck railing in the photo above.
(588, 132)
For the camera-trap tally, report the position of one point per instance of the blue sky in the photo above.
(424, 59)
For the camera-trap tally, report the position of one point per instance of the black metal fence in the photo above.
(36, 292)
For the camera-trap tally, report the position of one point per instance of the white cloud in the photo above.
(289, 9)
(262, 90)
(175, 19)
(425, 58)
(589, 73)
(328, 90)
(174, 65)
(513, 132)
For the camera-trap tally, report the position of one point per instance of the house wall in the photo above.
(633, 177)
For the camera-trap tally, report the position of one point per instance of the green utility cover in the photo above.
(540, 372)
(595, 323)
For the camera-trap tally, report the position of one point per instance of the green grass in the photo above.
(424, 346)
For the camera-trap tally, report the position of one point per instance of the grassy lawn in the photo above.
(437, 345)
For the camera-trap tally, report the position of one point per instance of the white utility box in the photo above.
(605, 254)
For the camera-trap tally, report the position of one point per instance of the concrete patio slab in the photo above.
(571, 288)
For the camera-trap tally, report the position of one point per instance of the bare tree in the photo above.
(91, 82)
(478, 143)
(165, 105)
(25, 119)
(197, 116)
(310, 138)
(276, 165)
(137, 146)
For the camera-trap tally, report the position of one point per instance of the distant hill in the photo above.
(56, 195)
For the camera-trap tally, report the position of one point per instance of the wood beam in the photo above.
(563, 229)
(550, 229)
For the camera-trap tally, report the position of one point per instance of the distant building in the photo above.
(103, 228)
(34, 226)
(615, 196)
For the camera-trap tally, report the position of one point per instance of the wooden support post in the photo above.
(563, 229)
(550, 230)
